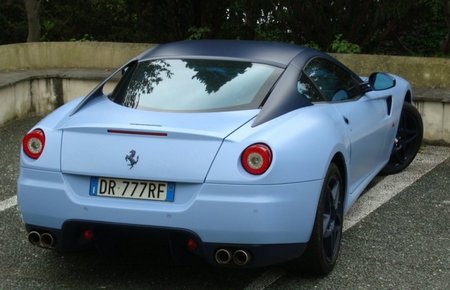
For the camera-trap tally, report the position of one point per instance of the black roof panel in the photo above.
(275, 53)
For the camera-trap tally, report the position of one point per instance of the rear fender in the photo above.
(303, 143)
(50, 158)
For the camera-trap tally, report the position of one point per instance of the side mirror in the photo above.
(381, 81)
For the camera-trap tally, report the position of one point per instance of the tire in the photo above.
(323, 248)
(407, 141)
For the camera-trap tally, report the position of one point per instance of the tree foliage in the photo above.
(419, 27)
(13, 22)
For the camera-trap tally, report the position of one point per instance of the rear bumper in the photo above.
(259, 216)
(172, 241)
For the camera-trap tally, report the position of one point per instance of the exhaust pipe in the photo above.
(47, 240)
(34, 238)
(241, 257)
(44, 240)
(223, 256)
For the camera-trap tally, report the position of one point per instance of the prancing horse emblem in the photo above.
(131, 161)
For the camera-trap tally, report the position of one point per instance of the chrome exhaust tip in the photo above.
(34, 238)
(47, 240)
(241, 257)
(223, 256)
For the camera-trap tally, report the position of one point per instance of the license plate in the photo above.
(129, 188)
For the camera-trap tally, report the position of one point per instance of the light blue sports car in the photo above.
(244, 153)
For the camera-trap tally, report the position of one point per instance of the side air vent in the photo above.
(389, 104)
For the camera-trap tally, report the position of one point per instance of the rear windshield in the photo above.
(195, 85)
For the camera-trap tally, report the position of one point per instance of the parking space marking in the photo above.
(7, 203)
(391, 185)
(382, 192)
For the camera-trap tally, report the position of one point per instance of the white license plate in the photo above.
(130, 188)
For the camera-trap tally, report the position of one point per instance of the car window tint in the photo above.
(333, 82)
(196, 85)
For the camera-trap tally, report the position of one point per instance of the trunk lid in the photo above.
(108, 140)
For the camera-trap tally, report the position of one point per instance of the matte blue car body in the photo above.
(215, 198)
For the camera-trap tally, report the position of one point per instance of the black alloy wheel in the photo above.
(323, 248)
(332, 218)
(407, 141)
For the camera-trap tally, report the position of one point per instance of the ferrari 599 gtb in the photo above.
(244, 153)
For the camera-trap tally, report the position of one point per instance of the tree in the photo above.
(419, 27)
(446, 43)
(32, 8)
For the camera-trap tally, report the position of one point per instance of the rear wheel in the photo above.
(407, 141)
(323, 248)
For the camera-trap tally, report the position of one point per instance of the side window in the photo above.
(308, 89)
(333, 82)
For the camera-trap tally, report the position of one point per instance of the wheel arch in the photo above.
(408, 96)
(339, 160)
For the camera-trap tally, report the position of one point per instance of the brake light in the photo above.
(256, 158)
(33, 143)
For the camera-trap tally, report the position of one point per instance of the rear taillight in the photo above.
(256, 158)
(33, 143)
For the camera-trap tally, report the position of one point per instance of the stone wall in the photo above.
(44, 55)
(420, 71)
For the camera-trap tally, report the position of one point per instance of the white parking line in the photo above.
(382, 192)
(10, 202)
(391, 185)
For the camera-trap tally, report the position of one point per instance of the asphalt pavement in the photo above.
(11, 135)
(402, 244)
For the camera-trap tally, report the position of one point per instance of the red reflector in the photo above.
(256, 158)
(191, 245)
(33, 143)
(88, 235)
(160, 134)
